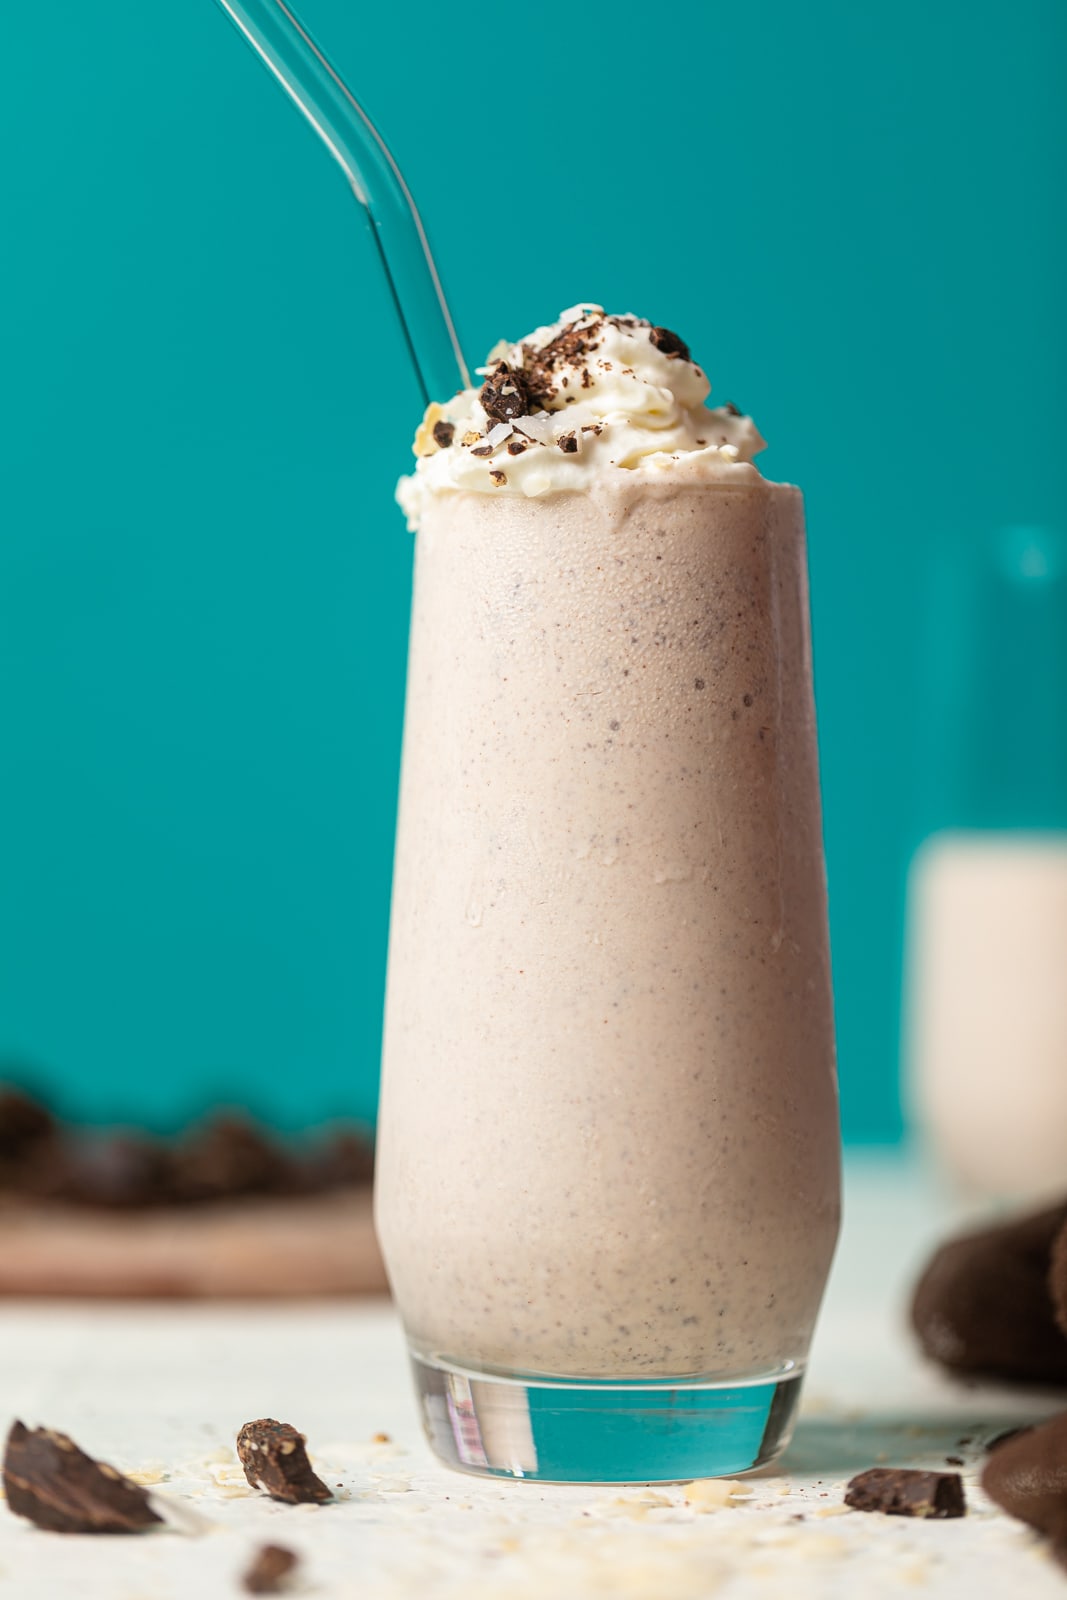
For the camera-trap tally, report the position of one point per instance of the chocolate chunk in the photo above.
(115, 1171)
(271, 1567)
(499, 478)
(24, 1123)
(1002, 1438)
(443, 433)
(732, 410)
(906, 1492)
(1057, 1277)
(504, 394)
(669, 343)
(274, 1458)
(229, 1157)
(516, 447)
(983, 1305)
(1027, 1477)
(57, 1486)
(568, 443)
(955, 1461)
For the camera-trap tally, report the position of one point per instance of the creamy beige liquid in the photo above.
(608, 1137)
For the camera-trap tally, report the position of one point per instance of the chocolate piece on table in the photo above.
(1057, 1277)
(274, 1457)
(230, 1156)
(271, 1566)
(1027, 1477)
(907, 1492)
(57, 1486)
(116, 1171)
(23, 1123)
(983, 1306)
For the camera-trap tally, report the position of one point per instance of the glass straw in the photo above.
(286, 48)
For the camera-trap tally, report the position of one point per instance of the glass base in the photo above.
(604, 1431)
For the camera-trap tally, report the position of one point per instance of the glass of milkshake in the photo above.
(608, 1158)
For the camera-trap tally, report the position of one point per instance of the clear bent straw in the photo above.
(286, 48)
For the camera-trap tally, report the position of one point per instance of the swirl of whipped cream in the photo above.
(588, 396)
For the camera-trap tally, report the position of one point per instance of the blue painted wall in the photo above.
(852, 212)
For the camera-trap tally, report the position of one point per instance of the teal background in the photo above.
(853, 214)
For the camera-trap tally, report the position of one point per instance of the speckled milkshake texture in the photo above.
(608, 1138)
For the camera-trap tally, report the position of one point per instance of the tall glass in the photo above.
(608, 1181)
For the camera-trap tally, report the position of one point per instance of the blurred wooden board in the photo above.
(237, 1249)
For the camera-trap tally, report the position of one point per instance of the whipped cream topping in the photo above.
(583, 398)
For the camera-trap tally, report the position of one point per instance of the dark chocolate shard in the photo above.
(907, 1492)
(669, 343)
(568, 443)
(443, 433)
(983, 1306)
(48, 1480)
(504, 395)
(274, 1457)
(1027, 1477)
(270, 1570)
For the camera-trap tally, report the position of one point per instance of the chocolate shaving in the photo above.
(906, 1492)
(568, 443)
(274, 1457)
(504, 395)
(271, 1567)
(443, 433)
(669, 343)
(734, 411)
(57, 1486)
(482, 450)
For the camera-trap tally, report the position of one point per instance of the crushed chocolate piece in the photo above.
(732, 410)
(443, 433)
(504, 395)
(982, 1306)
(669, 343)
(540, 367)
(274, 1457)
(516, 447)
(482, 450)
(271, 1566)
(568, 443)
(499, 478)
(907, 1492)
(955, 1461)
(48, 1480)
(1027, 1477)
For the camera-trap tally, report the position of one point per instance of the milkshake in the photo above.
(608, 1149)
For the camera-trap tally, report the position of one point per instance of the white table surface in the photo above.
(160, 1391)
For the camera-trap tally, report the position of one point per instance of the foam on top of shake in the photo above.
(587, 396)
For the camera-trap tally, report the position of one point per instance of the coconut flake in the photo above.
(497, 435)
(537, 427)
